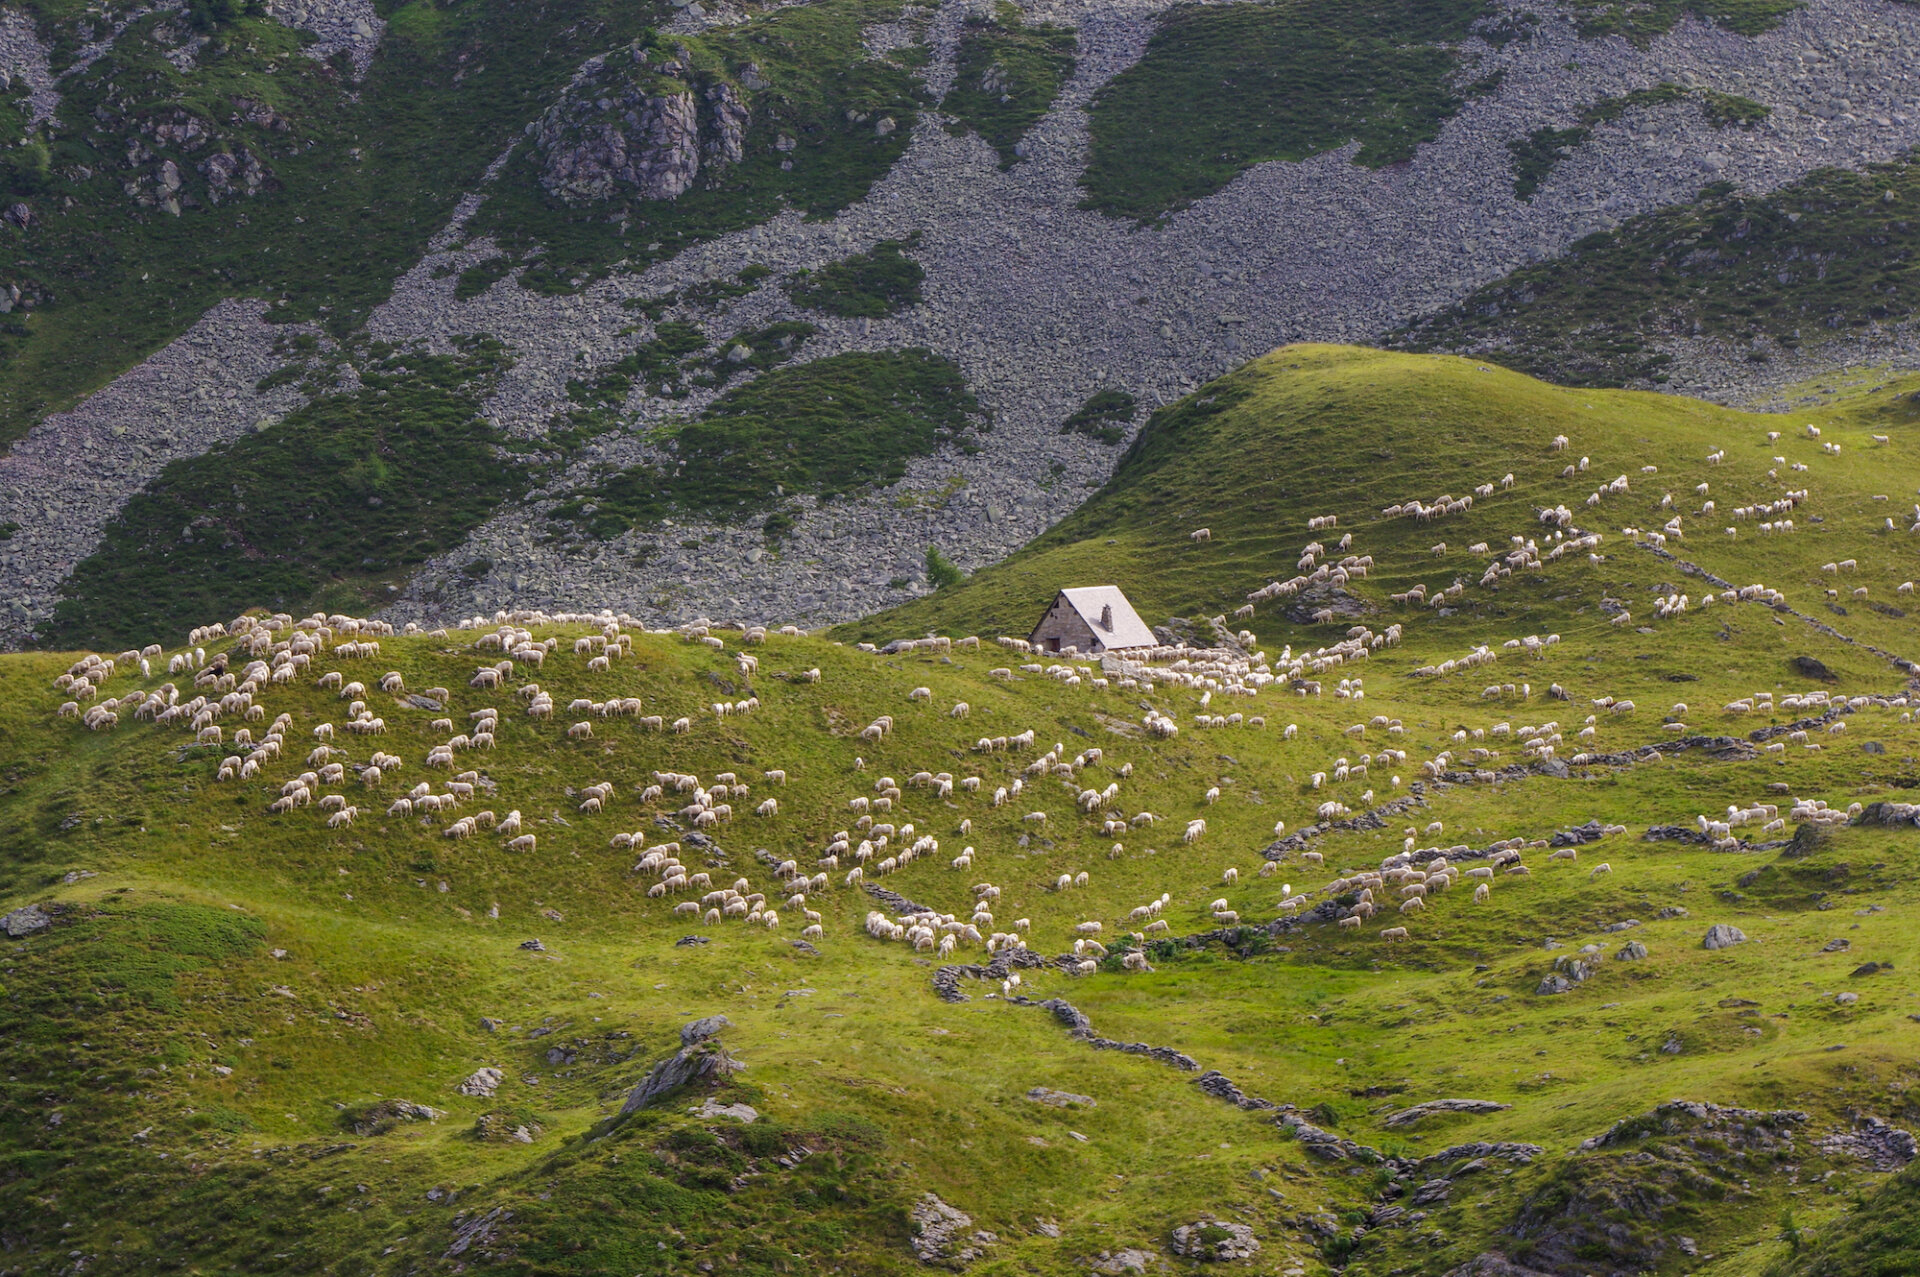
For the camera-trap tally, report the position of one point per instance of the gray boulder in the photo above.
(1492, 1264)
(635, 124)
(742, 1113)
(1069, 1015)
(1059, 1099)
(1408, 1116)
(26, 921)
(699, 1057)
(1215, 1240)
(377, 1119)
(1722, 936)
(694, 1031)
(482, 1082)
(945, 1235)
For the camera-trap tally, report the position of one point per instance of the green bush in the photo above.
(1103, 417)
(941, 571)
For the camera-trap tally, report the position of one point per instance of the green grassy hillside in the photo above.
(1312, 430)
(210, 1043)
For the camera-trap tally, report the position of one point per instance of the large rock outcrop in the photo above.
(643, 123)
(699, 1056)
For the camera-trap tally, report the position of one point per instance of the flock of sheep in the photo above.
(254, 658)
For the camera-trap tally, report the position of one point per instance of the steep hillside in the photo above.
(1325, 429)
(224, 216)
(247, 1029)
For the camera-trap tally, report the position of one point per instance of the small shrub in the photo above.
(1103, 417)
(941, 571)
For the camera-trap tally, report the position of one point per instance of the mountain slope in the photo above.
(224, 1020)
(1311, 430)
(219, 152)
(586, 248)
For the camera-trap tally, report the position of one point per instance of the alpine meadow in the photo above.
(1268, 637)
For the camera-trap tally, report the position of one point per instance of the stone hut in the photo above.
(1092, 620)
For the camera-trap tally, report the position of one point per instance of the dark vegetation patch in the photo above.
(655, 362)
(831, 428)
(130, 958)
(675, 361)
(1724, 110)
(357, 177)
(1008, 75)
(1224, 87)
(708, 293)
(1103, 417)
(1880, 1238)
(1661, 1176)
(1830, 254)
(868, 285)
(478, 278)
(756, 350)
(1536, 155)
(815, 142)
(1641, 20)
(322, 508)
(659, 1196)
(942, 571)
